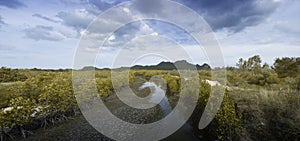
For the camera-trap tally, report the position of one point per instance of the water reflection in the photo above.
(158, 97)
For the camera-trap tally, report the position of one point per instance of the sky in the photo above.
(46, 34)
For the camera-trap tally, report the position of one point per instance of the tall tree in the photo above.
(287, 67)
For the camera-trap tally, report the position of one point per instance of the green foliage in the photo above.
(35, 86)
(227, 121)
(204, 74)
(253, 73)
(234, 79)
(102, 73)
(50, 91)
(85, 92)
(57, 95)
(11, 75)
(252, 64)
(173, 83)
(104, 87)
(287, 67)
(19, 114)
(131, 77)
(269, 115)
(204, 93)
(8, 92)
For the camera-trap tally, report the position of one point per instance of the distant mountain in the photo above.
(182, 64)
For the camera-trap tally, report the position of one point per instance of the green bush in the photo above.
(11, 75)
(19, 114)
(173, 84)
(226, 125)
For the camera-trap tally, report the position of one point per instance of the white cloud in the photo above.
(154, 34)
(149, 49)
(78, 19)
(277, 36)
(43, 33)
(111, 38)
(126, 10)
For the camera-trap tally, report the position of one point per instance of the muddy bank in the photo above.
(79, 129)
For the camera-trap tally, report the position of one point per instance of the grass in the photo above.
(7, 92)
(269, 115)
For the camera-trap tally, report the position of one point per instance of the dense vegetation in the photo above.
(11, 75)
(260, 103)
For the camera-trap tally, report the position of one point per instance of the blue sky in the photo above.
(45, 34)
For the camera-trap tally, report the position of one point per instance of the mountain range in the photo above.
(181, 64)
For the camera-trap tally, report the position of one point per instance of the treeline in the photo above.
(283, 74)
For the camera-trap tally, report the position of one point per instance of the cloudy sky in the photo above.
(46, 34)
